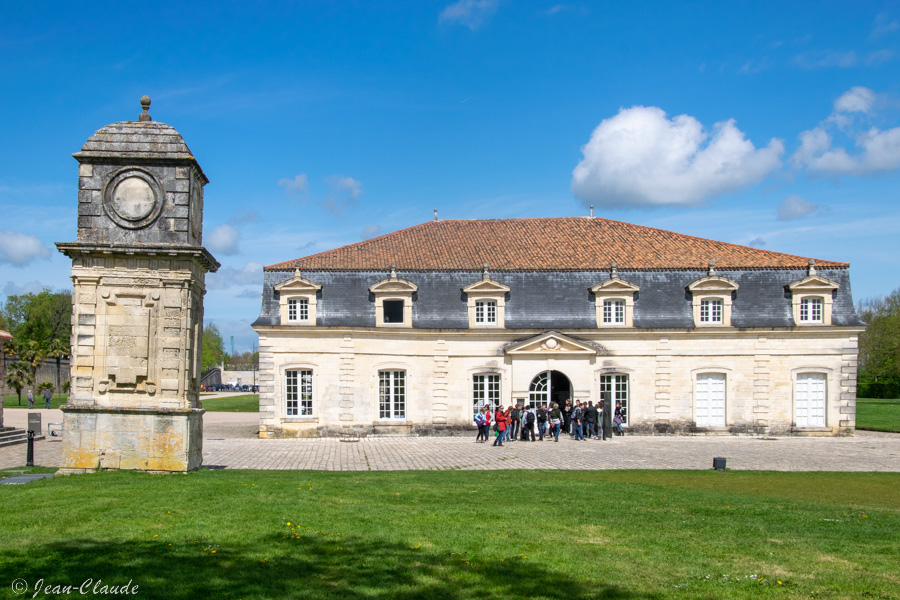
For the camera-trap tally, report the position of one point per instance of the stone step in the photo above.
(10, 436)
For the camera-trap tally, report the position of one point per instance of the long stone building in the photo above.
(411, 332)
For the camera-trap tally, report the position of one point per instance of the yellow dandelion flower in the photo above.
(213, 551)
(157, 535)
(779, 583)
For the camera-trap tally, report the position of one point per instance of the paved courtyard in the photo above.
(229, 442)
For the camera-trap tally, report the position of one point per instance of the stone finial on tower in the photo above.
(592, 211)
(712, 269)
(614, 271)
(145, 104)
(435, 215)
(812, 267)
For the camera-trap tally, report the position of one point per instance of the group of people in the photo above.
(582, 421)
(48, 395)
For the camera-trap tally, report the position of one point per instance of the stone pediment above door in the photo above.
(553, 343)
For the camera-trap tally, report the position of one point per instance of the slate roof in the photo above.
(552, 244)
(136, 139)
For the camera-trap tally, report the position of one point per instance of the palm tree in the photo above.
(32, 353)
(57, 350)
(19, 377)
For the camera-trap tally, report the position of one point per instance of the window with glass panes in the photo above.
(711, 311)
(298, 393)
(298, 309)
(811, 310)
(613, 311)
(485, 391)
(485, 311)
(617, 386)
(392, 394)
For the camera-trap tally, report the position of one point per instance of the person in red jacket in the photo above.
(501, 420)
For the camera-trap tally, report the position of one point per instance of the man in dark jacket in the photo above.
(590, 420)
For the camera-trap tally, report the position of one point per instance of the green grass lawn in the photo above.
(488, 535)
(236, 403)
(13, 400)
(878, 414)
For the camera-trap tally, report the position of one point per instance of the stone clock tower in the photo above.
(138, 270)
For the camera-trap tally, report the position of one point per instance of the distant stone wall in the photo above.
(241, 377)
(46, 372)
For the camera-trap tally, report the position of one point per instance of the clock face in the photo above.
(134, 199)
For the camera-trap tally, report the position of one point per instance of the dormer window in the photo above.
(711, 311)
(393, 301)
(811, 298)
(613, 312)
(614, 301)
(711, 299)
(811, 310)
(486, 302)
(297, 300)
(486, 312)
(392, 311)
(298, 309)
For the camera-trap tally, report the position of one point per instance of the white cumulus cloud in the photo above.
(795, 207)
(640, 157)
(344, 192)
(21, 249)
(877, 150)
(471, 13)
(230, 277)
(224, 239)
(295, 188)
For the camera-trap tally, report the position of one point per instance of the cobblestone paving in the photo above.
(229, 442)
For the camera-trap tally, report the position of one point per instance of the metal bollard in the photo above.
(29, 461)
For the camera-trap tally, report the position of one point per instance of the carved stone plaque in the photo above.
(133, 198)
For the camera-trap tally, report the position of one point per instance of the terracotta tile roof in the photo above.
(564, 243)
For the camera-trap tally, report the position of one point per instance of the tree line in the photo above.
(879, 348)
(41, 326)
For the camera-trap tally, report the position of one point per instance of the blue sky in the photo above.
(320, 124)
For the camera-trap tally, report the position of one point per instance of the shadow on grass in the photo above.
(313, 566)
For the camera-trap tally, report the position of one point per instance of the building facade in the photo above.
(411, 332)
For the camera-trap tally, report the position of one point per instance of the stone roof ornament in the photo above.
(592, 211)
(812, 267)
(485, 274)
(145, 114)
(435, 215)
(712, 269)
(614, 271)
(297, 273)
(393, 271)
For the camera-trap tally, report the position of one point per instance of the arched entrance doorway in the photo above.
(549, 386)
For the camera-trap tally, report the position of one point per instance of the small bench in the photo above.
(54, 429)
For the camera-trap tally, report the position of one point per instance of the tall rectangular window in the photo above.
(811, 310)
(298, 309)
(711, 311)
(485, 391)
(613, 312)
(391, 394)
(617, 386)
(486, 311)
(298, 393)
